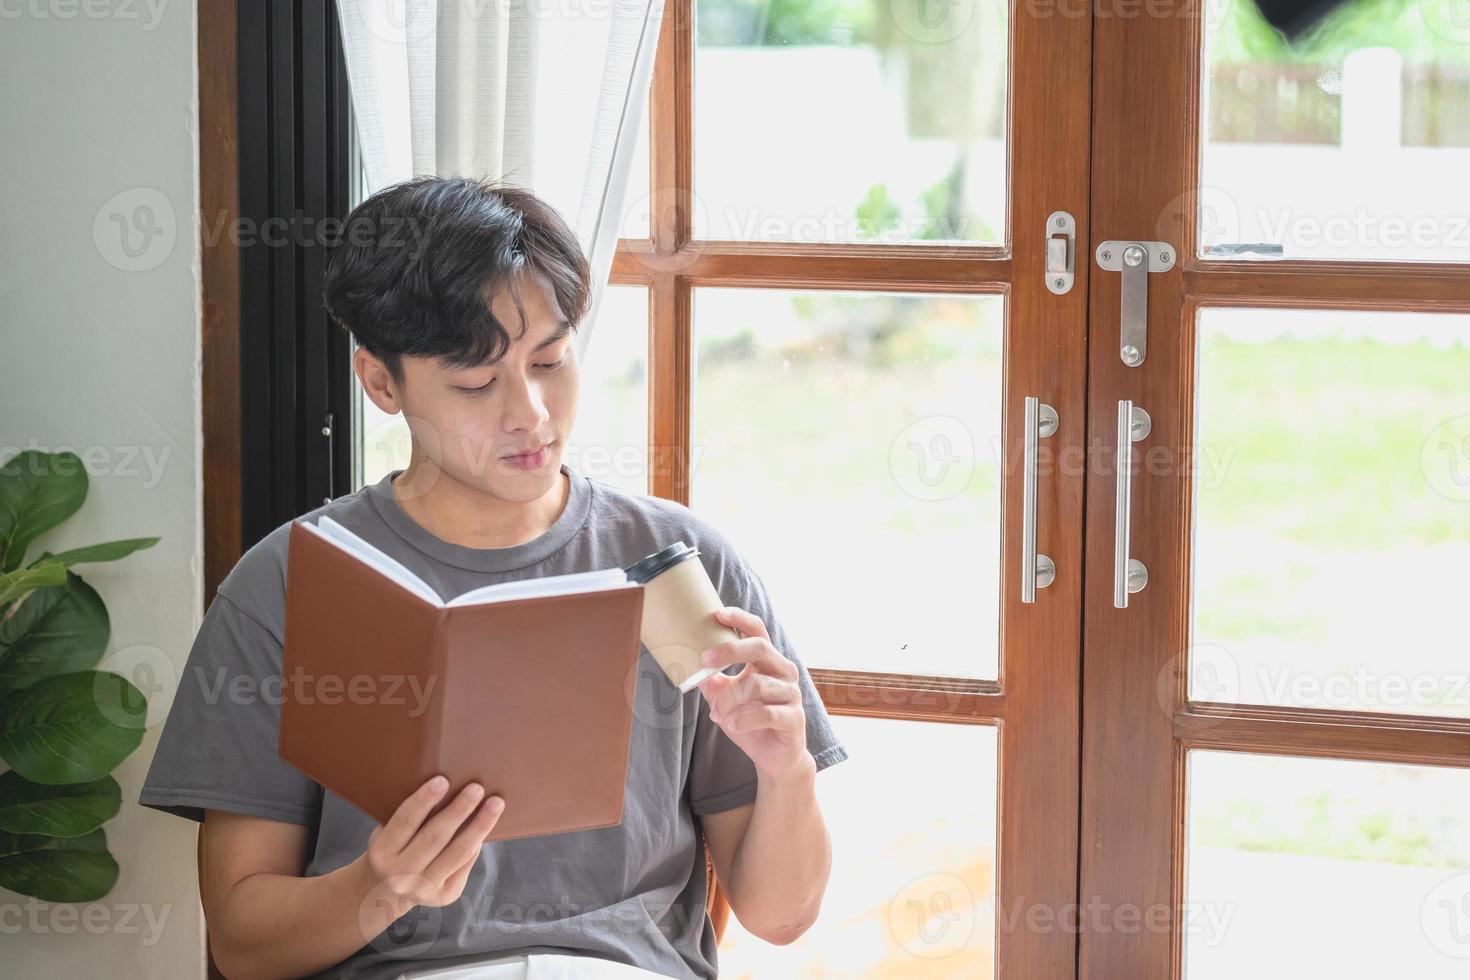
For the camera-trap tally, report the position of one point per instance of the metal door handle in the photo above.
(1129, 574)
(1037, 571)
(1135, 260)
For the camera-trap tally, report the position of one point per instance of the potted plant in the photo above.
(63, 726)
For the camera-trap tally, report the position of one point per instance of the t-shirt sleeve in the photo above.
(218, 745)
(721, 775)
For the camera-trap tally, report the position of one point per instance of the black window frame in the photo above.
(297, 158)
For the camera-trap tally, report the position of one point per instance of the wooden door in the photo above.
(1275, 727)
(842, 251)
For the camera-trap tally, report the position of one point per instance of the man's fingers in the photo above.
(747, 649)
(752, 688)
(438, 829)
(409, 816)
(747, 623)
(750, 650)
(465, 847)
(754, 716)
(454, 884)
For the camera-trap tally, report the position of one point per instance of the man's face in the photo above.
(469, 422)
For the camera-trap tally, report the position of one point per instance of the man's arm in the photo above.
(773, 857)
(266, 920)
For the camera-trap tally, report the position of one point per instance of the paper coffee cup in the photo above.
(679, 606)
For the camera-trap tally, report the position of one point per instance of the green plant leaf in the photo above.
(109, 551)
(56, 630)
(71, 728)
(39, 575)
(57, 869)
(56, 811)
(38, 491)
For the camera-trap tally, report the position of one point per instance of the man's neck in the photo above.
(463, 516)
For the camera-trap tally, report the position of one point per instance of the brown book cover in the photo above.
(384, 685)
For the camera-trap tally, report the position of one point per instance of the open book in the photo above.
(329, 530)
(526, 687)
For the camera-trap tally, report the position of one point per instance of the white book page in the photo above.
(390, 568)
(607, 578)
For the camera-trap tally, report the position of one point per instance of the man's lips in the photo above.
(527, 453)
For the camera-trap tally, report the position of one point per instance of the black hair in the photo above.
(417, 264)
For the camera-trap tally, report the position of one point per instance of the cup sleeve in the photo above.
(721, 775)
(218, 748)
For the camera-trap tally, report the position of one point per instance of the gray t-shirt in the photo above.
(634, 892)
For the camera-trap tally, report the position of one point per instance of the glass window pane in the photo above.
(850, 121)
(848, 444)
(910, 896)
(610, 439)
(1323, 868)
(1332, 510)
(1351, 144)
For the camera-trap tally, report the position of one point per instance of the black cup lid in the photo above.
(648, 567)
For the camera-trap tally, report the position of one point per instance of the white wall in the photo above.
(99, 352)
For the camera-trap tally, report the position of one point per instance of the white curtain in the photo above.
(545, 94)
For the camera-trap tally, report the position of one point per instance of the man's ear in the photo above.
(376, 381)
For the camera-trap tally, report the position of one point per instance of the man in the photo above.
(463, 298)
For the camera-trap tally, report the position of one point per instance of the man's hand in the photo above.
(268, 918)
(417, 859)
(759, 708)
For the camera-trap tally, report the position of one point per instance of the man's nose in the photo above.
(525, 406)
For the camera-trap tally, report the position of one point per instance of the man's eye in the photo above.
(550, 367)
